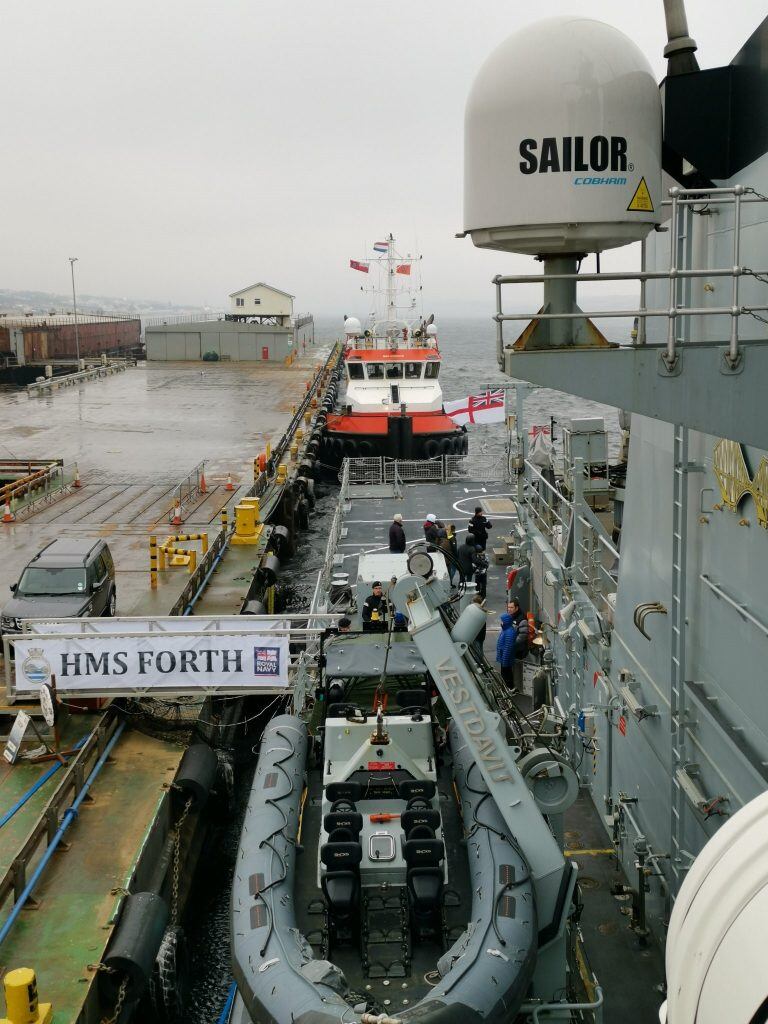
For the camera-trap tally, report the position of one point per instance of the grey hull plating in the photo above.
(484, 975)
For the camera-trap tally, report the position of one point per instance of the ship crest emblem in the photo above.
(735, 482)
(36, 668)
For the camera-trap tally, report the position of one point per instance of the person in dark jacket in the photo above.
(399, 623)
(505, 650)
(448, 546)
(467, 555)
(434, 532)
(479, 527)
(481, 574)
(520, 620)
(376, 608)
(397, 534)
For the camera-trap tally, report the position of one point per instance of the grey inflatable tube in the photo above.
(484, 975)
(271, 960)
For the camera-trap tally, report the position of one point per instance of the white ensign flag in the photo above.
(487, 407)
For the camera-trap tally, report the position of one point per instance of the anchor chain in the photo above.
(121, 994)
(176, 869)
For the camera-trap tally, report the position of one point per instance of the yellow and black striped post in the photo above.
(224, 520)
(256, 470)
(192, 536)
(153, 562)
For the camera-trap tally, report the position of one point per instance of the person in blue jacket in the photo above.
(505, 650)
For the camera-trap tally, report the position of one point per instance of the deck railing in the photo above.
(376, 471)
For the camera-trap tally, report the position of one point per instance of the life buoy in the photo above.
(262, 461)
(432, 449)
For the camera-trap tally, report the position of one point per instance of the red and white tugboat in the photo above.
(391, 401)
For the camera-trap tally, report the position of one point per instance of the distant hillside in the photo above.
(21, 302)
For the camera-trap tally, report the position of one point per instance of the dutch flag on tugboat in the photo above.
(487, 407)
(380, 247)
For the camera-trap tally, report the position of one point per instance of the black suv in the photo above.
(69, 578)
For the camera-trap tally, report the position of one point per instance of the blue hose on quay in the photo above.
(33, 789)
(69, 816)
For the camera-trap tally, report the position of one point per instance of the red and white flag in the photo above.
(485, 408)
(403, 268)
(357, 265)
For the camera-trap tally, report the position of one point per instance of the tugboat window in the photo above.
(375, 371)
(355, 371)
(413, 371)
(394, 371)
(433, 369)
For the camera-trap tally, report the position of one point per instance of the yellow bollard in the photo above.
(282, 473)
(255, 504)
(153, 562)
(294, 449)
(307, 418)
(21, 1002)
(299, 434)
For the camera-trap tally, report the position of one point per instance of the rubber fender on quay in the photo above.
(301, 484)
(270, 569)
(196, 774)
(280, 539)
(307, 468)
(254, 608)
(135, 945)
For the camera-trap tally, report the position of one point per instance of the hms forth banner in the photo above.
(159, 663)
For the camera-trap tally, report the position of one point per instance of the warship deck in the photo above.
(630, 973)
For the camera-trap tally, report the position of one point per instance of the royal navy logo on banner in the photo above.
(266, 661)
(36, 668)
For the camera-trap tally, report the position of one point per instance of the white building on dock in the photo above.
(259, 326)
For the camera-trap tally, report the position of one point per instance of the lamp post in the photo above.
(72, 262)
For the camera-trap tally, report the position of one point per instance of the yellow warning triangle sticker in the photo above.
(641, 201)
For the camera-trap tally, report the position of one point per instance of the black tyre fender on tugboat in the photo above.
(432, 448)
(364, 449)
(302, 514)
(169, 984)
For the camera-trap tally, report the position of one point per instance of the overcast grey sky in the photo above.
(184, 149)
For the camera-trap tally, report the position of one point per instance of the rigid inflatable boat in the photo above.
(376, 878)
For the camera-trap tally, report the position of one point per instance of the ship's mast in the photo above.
(390, 277)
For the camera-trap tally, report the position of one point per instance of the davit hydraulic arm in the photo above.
(483, 730)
